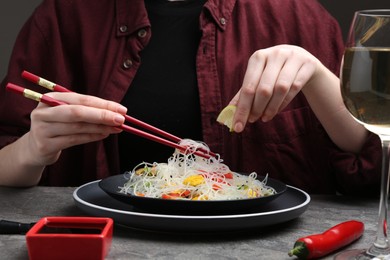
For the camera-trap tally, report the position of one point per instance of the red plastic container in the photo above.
(70, 238)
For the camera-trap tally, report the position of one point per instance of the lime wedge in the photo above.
(225, 117)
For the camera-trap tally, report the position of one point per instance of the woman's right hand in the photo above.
(86, 119)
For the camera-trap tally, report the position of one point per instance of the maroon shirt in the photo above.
(93, 48)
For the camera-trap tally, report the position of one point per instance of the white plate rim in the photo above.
(159, 215)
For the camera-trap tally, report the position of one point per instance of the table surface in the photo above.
(273, 242)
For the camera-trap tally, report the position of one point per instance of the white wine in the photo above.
(365, 86)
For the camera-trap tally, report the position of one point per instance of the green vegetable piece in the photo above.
(300, 250)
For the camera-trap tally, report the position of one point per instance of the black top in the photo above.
(164, 92)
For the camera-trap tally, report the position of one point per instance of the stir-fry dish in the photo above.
(189, 177)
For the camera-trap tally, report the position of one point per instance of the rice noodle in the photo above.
(190, 177)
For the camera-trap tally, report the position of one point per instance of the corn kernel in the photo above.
(194, 180)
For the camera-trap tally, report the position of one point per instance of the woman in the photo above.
(175, 65)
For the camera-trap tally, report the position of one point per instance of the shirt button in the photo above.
(123, 28)
(127, 63)
(223, 21)
(142, 33)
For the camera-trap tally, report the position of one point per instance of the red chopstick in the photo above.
(43, 82)
(34, 95)
(53, 102)
(55, 87)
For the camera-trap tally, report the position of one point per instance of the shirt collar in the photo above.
(220, 11)
(127, 23)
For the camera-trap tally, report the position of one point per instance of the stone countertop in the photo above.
(273, 242)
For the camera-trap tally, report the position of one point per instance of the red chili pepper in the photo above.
(319, 245)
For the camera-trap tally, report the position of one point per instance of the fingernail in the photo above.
(119, 119)
(238, 127)
(122, 110)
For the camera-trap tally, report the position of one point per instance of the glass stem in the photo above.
(381, 243)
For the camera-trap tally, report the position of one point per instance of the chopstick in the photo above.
(34, 95)
(53, 102)
(13, 227)
(55, 87)
(43, 82)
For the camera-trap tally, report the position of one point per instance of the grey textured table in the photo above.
(29, 205)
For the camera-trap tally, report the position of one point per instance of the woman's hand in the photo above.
(85, 119)
(273, 78)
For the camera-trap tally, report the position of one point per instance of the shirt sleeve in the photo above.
(354, 173)
(358, 173)
(35, 51)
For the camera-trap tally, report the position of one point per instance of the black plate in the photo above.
(188, 207)
(91, 199)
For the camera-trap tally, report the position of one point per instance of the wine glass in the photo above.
(365, 87)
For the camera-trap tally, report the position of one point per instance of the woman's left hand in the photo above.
(274, 76)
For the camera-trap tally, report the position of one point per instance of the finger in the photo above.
(90, 101)
(284, 86)
(64, 129)
(234, 100)
(50, 147)
(303, 76)
(78, 113)
(266, 89)
(44, 134)
(247, 92)
(77, 139)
